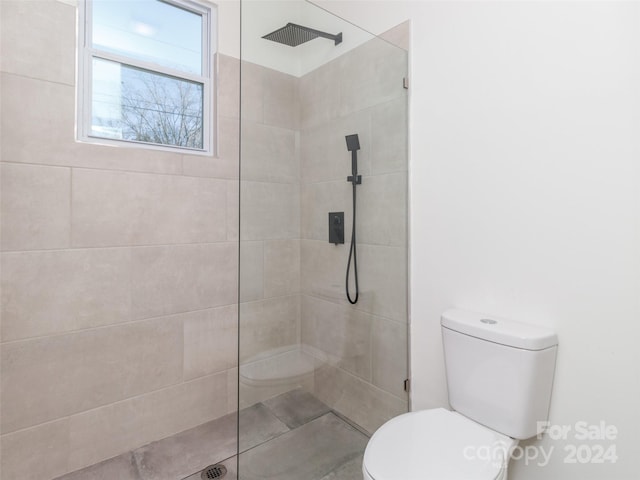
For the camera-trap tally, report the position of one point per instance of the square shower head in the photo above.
(294, 35)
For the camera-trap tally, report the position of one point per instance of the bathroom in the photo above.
(135, 281)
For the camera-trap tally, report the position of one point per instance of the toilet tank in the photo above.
(499, 372)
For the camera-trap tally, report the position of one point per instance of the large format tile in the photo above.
(36, 453)
(268, 324)
(36, 55)
(182, 278)
(323, 148)
(389, 356)
(44, 293)
(382, 210)
(79, 371)
(268, 153)
(210, 341)
(228, 86)
(352, 470)
(359, 401)
(269, 210)
(35, 207)
(117, 428)
(297, 407)
(51, 106)
(322, 269)
(251, 271)
(281, 101)
(389, 137)
(180, 455)
(122, 467)
(257, 425)
(122, 208)
(371, 74)
(320, 95)
(281, 267)
(340, 331)
(309, 452)
(225, 164)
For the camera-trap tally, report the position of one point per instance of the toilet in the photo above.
(499, 376)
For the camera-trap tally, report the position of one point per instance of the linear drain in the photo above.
(214, 471)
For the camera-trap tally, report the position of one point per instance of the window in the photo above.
(145, 73)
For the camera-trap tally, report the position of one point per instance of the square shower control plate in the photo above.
(336, 227)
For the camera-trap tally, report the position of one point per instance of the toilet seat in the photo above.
(436, 445)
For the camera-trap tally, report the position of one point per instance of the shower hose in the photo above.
(352, 254)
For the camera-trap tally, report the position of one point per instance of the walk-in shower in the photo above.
(319, 372)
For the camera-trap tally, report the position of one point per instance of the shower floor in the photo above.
(292, 436)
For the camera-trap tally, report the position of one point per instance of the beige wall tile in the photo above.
(228, 86)
(322, 269)
(226, 163)
(233, 211)
(268, 324)
(319, 93)
(340, 331)
(389, 355)
(251, 271)
(232, 390)
(121, 208)
(361, 402)
(51, 106)
(252, 103)
(210, 341)
(318, 199)
(371, 74)
(48, 378)
(35, 207)
(382, 274)
(269, 210)
(114, 429)
(382, 210)
(281, 101)
(183, 278)
(389, 137)
(323, 149)
(268, 153)
(45, 293)
(35, 54)
(281, 267)
(36, 453)
(383, 281)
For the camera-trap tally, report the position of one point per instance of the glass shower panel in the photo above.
(317, 373)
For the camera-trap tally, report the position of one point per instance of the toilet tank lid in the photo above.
(499, 330)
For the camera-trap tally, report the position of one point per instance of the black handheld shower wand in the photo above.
(353, 145)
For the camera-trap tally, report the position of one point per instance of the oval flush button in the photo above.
(488, 321)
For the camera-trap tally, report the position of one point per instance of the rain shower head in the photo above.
(294, 35)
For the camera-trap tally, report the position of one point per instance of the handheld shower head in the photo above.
(352, 142)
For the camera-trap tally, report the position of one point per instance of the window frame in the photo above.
(84, 84)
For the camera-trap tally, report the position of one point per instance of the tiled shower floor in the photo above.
(290, 437)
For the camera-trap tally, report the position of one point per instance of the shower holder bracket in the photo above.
(358, 179)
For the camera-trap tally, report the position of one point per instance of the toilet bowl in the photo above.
(499, 379)
(436, 445)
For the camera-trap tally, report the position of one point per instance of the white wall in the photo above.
(525, 177)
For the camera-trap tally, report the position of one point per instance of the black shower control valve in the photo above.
(336, 227)
(358, 179)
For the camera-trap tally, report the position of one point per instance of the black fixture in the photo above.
(353, 145)
(294, 35)
(336, 227)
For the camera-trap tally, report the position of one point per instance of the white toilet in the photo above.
(499, 375)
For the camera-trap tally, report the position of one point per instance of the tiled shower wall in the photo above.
(270, 222)
(119, 267)
(363, 347)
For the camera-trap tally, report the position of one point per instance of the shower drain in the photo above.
(214, 471)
